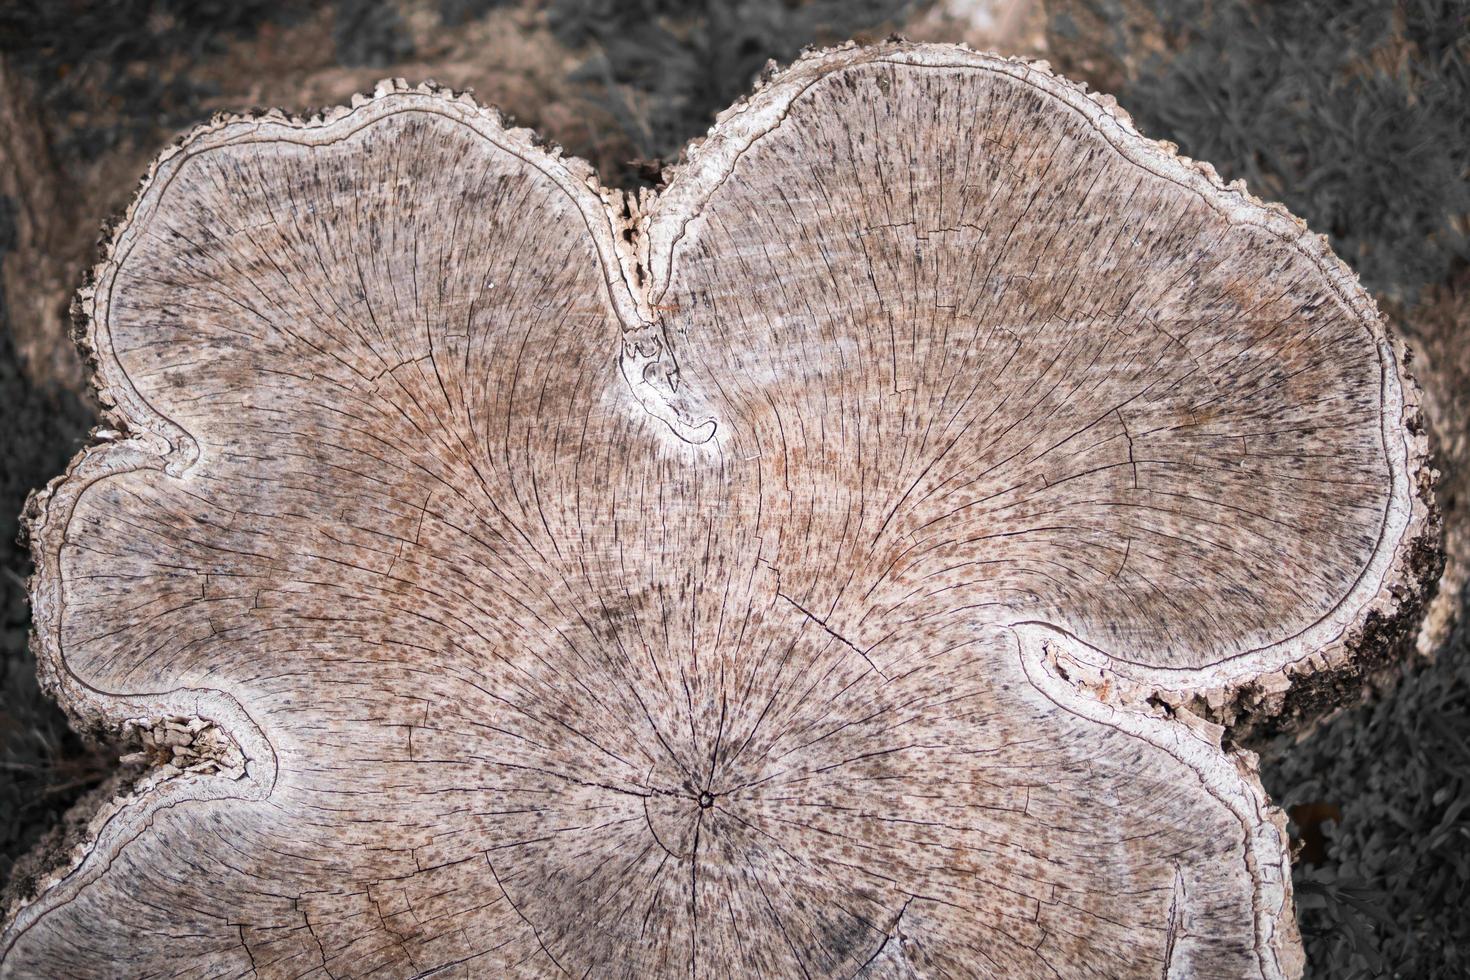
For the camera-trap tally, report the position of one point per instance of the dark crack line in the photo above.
(529, 924)
(694, 899)
(887, 938)
(834, 634)
(1175, 914)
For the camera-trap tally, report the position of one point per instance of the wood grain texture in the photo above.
(833, 565)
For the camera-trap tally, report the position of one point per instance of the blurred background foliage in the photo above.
(1353, 113)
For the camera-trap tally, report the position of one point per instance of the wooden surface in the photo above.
(833, 565)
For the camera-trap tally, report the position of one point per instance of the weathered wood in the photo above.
(833, 565)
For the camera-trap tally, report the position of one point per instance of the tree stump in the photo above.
(840, 563)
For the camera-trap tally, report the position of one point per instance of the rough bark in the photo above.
(803, 571)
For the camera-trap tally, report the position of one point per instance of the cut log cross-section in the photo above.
(839, 563)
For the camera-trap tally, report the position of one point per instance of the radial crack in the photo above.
(834, 634)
